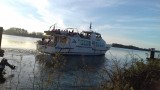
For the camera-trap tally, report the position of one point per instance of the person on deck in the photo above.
(49, 41)
(43, 40)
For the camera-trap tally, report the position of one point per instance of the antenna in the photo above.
(90, 27)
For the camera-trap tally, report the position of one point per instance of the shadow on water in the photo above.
(72, 63)
(2, 79)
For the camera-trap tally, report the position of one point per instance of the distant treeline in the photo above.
(22, 32)
(129, 47)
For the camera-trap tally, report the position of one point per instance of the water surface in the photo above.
(33, 70)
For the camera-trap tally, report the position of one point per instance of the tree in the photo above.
(22, 32)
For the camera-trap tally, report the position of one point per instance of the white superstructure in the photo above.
(71, 42)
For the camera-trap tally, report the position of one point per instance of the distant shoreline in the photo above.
(130, 47)
(113, 45)
(24, 35)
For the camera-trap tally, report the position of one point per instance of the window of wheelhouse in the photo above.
(98, 35)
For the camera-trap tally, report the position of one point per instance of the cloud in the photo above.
(48, 15)
(138, 19)
(104, 27)
(156, 8)
(12, 19)
(43, 13)
(87, 4)
(11, 16)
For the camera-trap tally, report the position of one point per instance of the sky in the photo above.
(128, 22)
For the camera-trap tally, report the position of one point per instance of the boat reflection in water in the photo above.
(74, 72)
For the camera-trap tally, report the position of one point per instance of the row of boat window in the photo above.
(85, 43)
(100, 44)
(80, 42)
(88, 43)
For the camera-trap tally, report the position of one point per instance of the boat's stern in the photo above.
(40, 48)
(44, 48)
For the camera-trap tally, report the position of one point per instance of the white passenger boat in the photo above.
(71, 42)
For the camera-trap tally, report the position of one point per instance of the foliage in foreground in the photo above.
(139, 76)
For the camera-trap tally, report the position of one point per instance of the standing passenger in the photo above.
(49, 41)
(43, 41)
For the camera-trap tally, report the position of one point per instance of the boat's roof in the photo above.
(91, 32)
(87, 31)
(71, 28)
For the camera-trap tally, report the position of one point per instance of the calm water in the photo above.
(33, 70)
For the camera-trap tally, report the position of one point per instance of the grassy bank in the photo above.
(141, 75)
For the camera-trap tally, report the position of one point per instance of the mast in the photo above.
(90, 27)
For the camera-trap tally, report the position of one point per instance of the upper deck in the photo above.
(72, 32)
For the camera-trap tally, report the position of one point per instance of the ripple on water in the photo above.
(20, 51)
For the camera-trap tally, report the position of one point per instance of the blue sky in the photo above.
(129, 22)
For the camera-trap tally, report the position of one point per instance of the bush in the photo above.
(140, 75)
(143, 76)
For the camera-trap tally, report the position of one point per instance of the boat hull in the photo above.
(71, 51)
